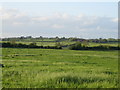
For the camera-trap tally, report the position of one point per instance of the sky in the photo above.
(59, 0)
(63, 19)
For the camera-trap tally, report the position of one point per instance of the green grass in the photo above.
(48, 68)
(48, 42)
(108, 44)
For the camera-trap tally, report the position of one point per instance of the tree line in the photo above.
(80, 46)
(31, 45)
(59, 39)
(76, 46)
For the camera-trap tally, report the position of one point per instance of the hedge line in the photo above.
(32, 45)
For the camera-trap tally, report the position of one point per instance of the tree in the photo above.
(58, 45)
(22, 37)
(32, 45)
(29, 37)
(41, 38)
(85, 43)
(12, 42)
(77, 46)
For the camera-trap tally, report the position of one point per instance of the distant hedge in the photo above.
(31, 45)
(79, 46)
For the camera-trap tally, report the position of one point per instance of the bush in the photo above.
(77, 46)
(31, 45)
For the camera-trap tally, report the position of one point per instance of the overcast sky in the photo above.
(63, 19)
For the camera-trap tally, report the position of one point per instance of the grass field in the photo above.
(47, 68)
(66, 42)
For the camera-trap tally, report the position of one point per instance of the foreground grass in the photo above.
(44, 68)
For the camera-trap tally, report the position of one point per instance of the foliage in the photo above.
(31, 45)
(41, 38)
(58, 45)
(79, 46)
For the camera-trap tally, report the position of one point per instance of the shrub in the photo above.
(77, 46)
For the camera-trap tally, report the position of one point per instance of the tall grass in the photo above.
(39, 68)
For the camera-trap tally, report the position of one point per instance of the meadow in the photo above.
(63, 43)
(51, 68)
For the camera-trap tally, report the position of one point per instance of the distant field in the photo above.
(48, 68)
(44, 43)
(53, 43)
(97, 44)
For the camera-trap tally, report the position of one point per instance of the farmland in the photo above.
(51, 68)
(59, 45)
(43, 41)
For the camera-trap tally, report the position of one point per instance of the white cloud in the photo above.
(115, 19)
(11, 13)
(20, 15)
(60, 23)
(40, 18)
(61, 15)
(18, 23)
(57, 15)
(65, 16)
(80, 17)
(57, 26)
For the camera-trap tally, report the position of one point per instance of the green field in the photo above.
(48, 68)
(47, 43)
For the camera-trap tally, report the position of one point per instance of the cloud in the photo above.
(40, 18)
(56, 26)
(18, 23)
(59, 23)
(11, 13)
(115, 20)
(61, 16)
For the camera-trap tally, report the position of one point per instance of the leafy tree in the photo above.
(32, 45)
(77, 46)
(29, 37)
(58, 45)
(85, 43)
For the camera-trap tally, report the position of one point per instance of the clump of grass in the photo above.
(109, 72)
(77, 81)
